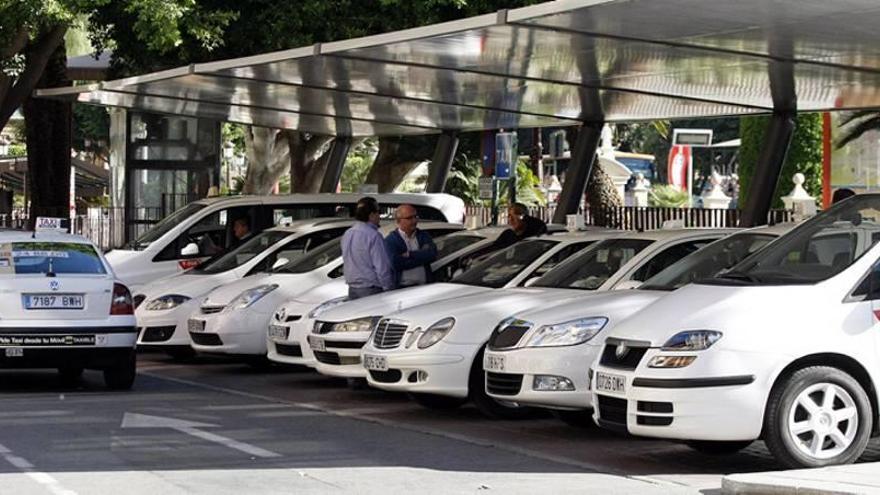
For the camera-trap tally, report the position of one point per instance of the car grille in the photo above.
(292, 350)
(612, 410)
(205, 338)
(503, 383)
(507, 337)
(157, 334)
(327, 357)
(627, 361)
(209, 310)
(388, 334)
(390, 376)
(322, 327)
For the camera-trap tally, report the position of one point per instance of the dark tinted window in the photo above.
(242, 254)
(667, 257)
(502, 267)
(592, 267)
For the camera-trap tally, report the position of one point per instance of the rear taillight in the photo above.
(121, 303)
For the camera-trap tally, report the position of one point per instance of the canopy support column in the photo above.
(338, 153)
(579, 169)
(441, 163)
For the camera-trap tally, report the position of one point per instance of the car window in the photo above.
(295, 250)
(241, 254)
(165, 225)
(210, 235)
(302, 211)
(451, 243)
(667, 257)
(315, 259)
(560, 256)
(590, 269)
(20, 258)
(502, 267)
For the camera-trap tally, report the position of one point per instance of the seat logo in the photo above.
(621, 350)
(54, 285)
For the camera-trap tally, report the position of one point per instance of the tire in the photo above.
(718, 448)
(488, 406)
(438, 402)
(849, 418)
(121, 376)
(582, 418)
(70, 375)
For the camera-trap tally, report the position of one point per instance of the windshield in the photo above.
(709, 261)
(164, 226)
(19, 258)
(314, 259)
(241, 254)
(499, 269)
(816, 250)
(449, 244)
(593, 267)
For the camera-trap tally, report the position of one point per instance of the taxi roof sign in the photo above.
(51, 224)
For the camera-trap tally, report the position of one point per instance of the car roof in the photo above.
(414, 198)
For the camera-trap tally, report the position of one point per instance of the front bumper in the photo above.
(339, 353)
(524, 364)
(294, 349)
(442, 369)
(162, 329)
(239, 332)
(53, 347)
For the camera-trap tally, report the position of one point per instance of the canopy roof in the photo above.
(553, 64)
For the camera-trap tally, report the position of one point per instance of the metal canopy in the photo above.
(553, 64)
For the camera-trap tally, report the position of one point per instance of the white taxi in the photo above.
(782, 347)
(64, 308)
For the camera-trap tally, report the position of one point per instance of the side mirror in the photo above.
(628, 284)
(191, 249)
(280, 262)
(530, 282)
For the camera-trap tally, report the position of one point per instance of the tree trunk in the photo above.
(308, 161)
(48, 129)
(268, 159)
(392, 164)
(602, 196)
(38, 54)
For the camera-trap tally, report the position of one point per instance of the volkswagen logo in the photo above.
(281, 314)
(621, 350)
(54, 285)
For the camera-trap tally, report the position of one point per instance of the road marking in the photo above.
(27, 468)
(243, 407)
(134, 420)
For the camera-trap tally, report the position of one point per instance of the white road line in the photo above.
(243, 407)
(228, 442)
(27, 468)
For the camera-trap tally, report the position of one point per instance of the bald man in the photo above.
(411, 250)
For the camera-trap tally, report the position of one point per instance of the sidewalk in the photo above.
(838, 480)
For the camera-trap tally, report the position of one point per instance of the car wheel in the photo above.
(818, 416)
(438, 402)
(121, 376)
(70, 374)
(488, 406)
(718, 448)
(582, 418)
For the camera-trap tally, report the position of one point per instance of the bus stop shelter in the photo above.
(564, 63)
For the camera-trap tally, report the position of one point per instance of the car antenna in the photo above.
(51, 272)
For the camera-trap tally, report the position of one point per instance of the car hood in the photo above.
(741, 313)
(224, 294)
(185, 284)
(323, 293)
(388, 302)
(615, 306)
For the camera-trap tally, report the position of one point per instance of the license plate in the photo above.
(54, 301)
(610, 383)
(14, 352)
(317, 344)
(375, 363)
(278, 332)
(493, 363)
(196, 325)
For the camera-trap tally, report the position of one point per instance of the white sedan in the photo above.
(233, 318)
(339, 332)
(163, 307)
(435, 351)
(293, 320)
(64, 308)
(540, 357)
(783, 347)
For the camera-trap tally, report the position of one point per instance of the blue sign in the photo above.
(505, 154)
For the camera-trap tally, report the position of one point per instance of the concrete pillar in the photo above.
(338, 153)
(441, 163)
(582, 157)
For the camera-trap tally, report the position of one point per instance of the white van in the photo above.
(203, 228)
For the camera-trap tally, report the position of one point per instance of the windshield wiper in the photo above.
(745, 277)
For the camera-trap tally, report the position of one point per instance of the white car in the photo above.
(784, 347)
(540, 357)
(163, 307)
(64, 308)
(292, 321)
(435, 351)
(233, 318)
(340, 332)
(203, 228)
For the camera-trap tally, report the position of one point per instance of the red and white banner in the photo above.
(679, 166)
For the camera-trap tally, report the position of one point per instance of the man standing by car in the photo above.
(522, 225)
(367, 268)
(411, 250)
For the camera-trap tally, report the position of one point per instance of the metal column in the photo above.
(441, 163)
(777, 139)
(581, 165)
(338, 153)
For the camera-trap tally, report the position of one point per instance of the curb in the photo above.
(778, 484)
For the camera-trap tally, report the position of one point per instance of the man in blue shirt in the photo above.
(411, 250)
(367, 267)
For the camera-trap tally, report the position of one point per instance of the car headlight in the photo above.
(692, 340)
(247, 298)
(572, 332)
(357, 325)
(435, 333)
(166, 302)
(325, 306)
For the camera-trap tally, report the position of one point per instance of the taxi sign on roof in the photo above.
(50, 224)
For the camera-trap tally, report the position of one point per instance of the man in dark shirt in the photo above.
(521, 226)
